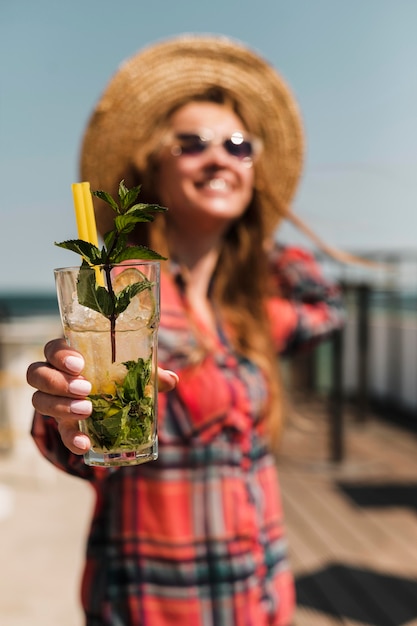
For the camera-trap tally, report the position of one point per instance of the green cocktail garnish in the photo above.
(115, 250)
(124, 419)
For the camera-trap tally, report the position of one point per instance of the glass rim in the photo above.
(134, 262)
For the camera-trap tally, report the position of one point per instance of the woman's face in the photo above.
(201, 183)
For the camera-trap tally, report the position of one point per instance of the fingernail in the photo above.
(81, 407)
(74, 364)
(81, 442)
(80, 387)
(173, 375)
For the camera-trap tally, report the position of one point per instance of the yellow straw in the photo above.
(89, 214)
(84, 215)
(80, 215)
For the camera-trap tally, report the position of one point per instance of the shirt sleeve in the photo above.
(305, 306)
(48, 440)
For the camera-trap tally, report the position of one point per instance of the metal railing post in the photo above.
(336, 426)
(363, 301)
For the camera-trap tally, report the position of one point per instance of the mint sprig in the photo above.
(124, 419)
(128, 213)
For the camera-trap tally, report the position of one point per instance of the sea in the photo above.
(19, 305)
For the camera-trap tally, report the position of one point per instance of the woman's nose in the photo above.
(217, 153)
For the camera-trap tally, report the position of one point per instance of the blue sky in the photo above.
(352, 66)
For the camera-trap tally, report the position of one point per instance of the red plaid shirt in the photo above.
(197, 537)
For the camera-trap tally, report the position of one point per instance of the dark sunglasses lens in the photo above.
(191, 143)
(242, 150)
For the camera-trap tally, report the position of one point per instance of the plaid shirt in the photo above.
(197, 538)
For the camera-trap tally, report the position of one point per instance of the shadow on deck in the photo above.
(359, 594)
(352, 526)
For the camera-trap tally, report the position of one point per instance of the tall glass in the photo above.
(120, 360)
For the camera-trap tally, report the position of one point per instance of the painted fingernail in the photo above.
(80, 387)
(81, 442)
(74, 364)
(81, 407)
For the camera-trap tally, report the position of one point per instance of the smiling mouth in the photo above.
(215, 184)
(219, 184)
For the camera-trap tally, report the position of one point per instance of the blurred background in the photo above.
(352, 69)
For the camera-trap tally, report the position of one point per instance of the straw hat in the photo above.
(121, 132)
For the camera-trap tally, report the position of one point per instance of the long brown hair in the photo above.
(240, 281)
(241, 285)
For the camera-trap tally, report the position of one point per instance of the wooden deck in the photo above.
(352, 527)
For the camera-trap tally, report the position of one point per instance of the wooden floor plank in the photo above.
(347, 530)
(352, 527)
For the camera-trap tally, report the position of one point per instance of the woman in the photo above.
(211, 131)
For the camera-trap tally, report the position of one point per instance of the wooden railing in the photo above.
(372, 363)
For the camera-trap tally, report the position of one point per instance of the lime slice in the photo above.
(144, 300)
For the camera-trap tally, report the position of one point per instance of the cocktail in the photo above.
(120, 363)
(109, 310)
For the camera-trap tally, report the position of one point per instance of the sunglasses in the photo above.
(243, 146)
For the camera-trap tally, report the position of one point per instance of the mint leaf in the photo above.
(115, 243)
(124, 420)
(144, 212)
(123, 298)
(92, 295)
(87, 250)
(137, 378)
(137, 252)
(127, 196)
(106, 197)
(124, 224)
(104, 425)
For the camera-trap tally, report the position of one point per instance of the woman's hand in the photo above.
(62, 390)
